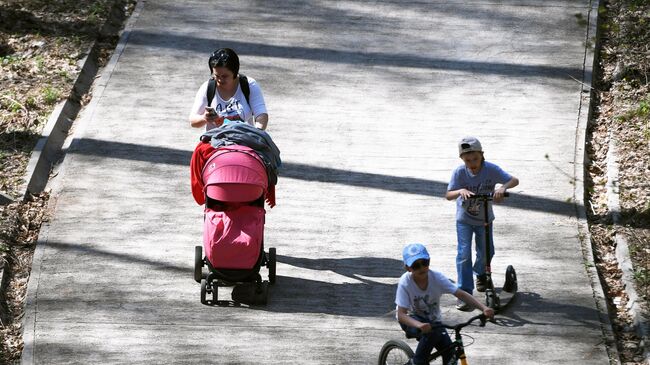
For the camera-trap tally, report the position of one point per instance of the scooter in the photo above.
(495, 298)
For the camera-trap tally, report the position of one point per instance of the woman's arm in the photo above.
(199, 116)
(199, 120)
(261, 121)
(257, 105)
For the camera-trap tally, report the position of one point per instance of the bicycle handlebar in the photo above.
(459, 326)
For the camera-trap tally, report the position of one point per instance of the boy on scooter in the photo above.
(418, 303)
(475, 176)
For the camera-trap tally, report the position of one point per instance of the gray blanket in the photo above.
(246, 135)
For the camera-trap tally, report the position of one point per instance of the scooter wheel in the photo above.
(492, 300)
(511, 280)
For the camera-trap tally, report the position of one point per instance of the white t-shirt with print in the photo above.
(236, 105)
(423, 303)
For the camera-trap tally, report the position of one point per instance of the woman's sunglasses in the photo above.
(418, 264)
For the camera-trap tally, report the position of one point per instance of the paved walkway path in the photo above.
(367, 101)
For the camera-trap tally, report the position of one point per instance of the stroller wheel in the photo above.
(204, 289)
(262, 293)
(198, 263)
(271, 265)
(215, 294)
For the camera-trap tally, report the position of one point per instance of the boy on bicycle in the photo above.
(418, 303)
(474, 176)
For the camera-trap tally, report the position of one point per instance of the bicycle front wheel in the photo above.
(395, 352)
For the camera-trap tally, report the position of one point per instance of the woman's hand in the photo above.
(214, 118)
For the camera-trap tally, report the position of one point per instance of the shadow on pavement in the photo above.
(356, 294)
(362, 59)
(171, 156)
(534, 306)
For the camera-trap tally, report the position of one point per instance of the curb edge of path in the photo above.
(48, 148)
(63, 143)
(622, 251)
(590, 66)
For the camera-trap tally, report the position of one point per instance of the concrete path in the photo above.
(367, 100)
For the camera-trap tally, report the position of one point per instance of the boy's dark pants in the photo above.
(438, 338)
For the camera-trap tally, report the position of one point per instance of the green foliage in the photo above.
(8, 101)
(30, 102)
(40, 63)
(15, 107)
(9, 60)
(642, 111)
(96, 11)
(65, 74)
(51, 95)
(642, 276)
(581, 19)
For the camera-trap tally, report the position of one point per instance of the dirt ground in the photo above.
(42, 41)
(622, 116)
(41, 45)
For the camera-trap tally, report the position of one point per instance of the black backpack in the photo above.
(243, 82)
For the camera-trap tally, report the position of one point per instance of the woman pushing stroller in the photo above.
(233, 172)
(228, 95)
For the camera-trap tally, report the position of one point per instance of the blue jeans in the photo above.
(464, 268)
(438, 338)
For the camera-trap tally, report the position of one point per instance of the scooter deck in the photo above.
(505, 298)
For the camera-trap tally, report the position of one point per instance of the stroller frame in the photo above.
(236, 278)
(215, 278)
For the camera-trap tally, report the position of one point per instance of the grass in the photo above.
(9, 60)
(51, 95)
(642, 276)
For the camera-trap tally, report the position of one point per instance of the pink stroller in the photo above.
(235, 183)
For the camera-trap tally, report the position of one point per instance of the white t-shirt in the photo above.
(423, 303)
(236, 105)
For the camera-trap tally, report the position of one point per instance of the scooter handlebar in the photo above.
(488, 196)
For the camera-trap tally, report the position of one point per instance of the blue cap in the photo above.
(413, 252)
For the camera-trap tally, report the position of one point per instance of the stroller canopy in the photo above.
(235, 174)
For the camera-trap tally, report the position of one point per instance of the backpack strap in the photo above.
(212, 88)
(243, 83)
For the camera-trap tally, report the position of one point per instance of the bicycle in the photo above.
(397, 352)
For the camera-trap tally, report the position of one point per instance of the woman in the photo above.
(230, 100)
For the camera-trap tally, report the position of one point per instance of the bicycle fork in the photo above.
(460, 352)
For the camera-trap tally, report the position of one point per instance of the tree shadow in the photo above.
(14, 19)
(364, 59)
(22, 140)
(409, 185)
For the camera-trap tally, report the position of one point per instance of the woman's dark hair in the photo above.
(224, 57)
